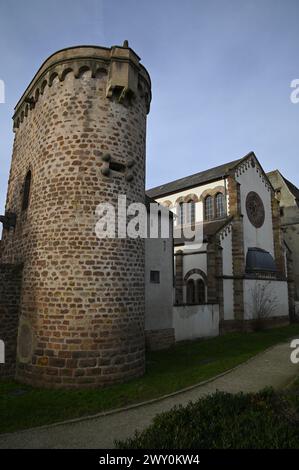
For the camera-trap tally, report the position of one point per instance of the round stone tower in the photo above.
(80, 131)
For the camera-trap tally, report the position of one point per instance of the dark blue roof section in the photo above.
(258, 260)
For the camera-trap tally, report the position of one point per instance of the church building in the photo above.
(77, 310)
(238, 274)
(288, 196)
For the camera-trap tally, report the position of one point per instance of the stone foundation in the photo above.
(247, 326)
(159, 339)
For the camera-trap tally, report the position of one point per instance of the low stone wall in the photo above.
(195, 321)
(10, 290)
(159, 339)
(247, 326)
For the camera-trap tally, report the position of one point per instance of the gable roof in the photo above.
(294, 190)
(291, 187)
(198, 179)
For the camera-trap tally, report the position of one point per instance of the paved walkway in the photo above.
(271, 368)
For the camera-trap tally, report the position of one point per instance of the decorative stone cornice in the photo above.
(126, 77)
(248, 161)
(225, 231)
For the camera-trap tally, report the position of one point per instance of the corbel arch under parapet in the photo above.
(43, 86)
(52, 78)
(65, 72)
(80, 60)
(82, 70)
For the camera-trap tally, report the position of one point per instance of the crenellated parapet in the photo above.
(126, 76)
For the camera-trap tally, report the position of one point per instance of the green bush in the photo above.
(224, 421)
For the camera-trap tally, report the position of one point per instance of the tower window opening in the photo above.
(26, 191)
(119, 167)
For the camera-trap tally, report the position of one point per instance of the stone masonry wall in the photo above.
(237, 246)
(10, 290)
(277, 237)
(236, 326)
(291, 286)
(214, 273)
(179, 282)
(159, 339)
(82, 305)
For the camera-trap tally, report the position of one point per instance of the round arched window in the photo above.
(209, 208)
(220, 211)
(191, 212)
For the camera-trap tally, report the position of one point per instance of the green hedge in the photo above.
(224, 421)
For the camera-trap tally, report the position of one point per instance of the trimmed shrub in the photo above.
(264, 420)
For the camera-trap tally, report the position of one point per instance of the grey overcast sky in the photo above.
(221, 73)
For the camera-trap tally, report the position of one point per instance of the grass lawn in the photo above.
(183, 365)
(270, 418)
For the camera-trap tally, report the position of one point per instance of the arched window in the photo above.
(220, 211)
(26, 191)
(191, 212)
(191, 291)
(201, 291)
(180, 213)
(209, 208)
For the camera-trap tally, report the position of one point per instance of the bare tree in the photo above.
(264, 303)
